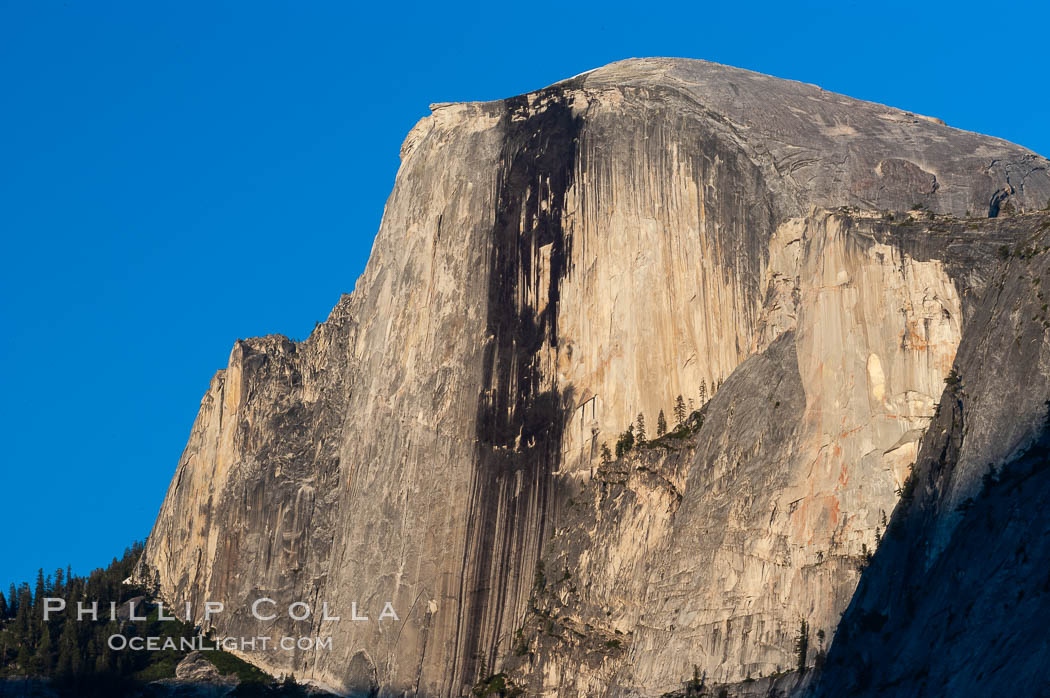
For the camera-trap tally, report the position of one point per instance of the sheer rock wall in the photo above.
(548, 267)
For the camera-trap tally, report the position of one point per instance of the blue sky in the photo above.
(178, 175)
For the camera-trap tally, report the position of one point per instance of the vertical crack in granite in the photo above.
(521, 411)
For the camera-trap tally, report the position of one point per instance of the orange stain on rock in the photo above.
(833, 512)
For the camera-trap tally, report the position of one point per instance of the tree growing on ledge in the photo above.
(640, 430)
(626, 441)
(661, 424)
(802, 645)
(679, 411)
(694, 688)
(606, 455)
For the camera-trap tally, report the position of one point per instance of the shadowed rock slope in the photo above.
(548, 267)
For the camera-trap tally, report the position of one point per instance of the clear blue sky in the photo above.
(178, 175)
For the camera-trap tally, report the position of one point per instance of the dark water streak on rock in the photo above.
(521, 412)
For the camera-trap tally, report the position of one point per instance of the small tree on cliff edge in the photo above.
(802, 645)
(694, 688)
(606, 455)
(661, 424)
(625, 442)
(639, 430)
(679, 411)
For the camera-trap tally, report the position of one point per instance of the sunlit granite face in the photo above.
(548, 267)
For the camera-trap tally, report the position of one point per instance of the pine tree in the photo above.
(3, 607)
(43, 659)
(802, 645)
(68, 649)
(86, 662)
(106, 661)
(606, 455)
(640, 431)
(822, 654)
(12, 601)
(703, 393)
(41, 591)
(626, 441)
(25, 659)
(679, 411)
(661, 424)
(23, 628)
(694, 688)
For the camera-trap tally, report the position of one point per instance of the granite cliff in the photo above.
(550, 266)
(957, 598)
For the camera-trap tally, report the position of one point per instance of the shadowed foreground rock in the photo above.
(549, 267)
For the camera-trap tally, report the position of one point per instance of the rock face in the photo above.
(548, 267)
(708, 547)
(957, 599)
(195, 668)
